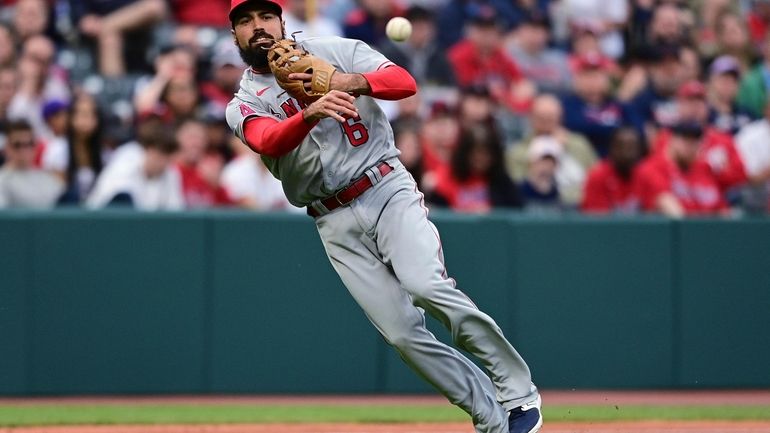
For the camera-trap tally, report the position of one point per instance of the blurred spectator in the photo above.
(476, 107)
(544, 66)
(40, 81)
(420, 54)
(610, 184)
(605, 18)
(539, 190)
(110, 23)
(725, 114)
(753, 143)
(673, 183)
(438, 139)
(667, 26)
(591, 109)
(85, 153)
(250, 184)
(9, 82)
(226, 72)
(7, 46)
(654, 106)
(481, 59)
(754, 86)
(53, 150)
(21, 184)
(733, 39)
(199, 171)
(717, 151)
(30, 18)
(172, 85)
(576, 154)
(367, 22)
(141, 174)
(407, 139)
(297, 18)
(196, 13)
(455, 14)
(476, 180)
(758, 20)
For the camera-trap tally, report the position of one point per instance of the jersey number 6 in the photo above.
(356, 132)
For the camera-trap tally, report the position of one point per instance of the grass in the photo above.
(70, 414)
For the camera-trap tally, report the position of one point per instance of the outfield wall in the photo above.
(120, 302)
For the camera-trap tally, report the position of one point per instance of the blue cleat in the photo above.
(526, 418)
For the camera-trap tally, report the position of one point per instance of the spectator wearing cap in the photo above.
(606, 18)
(53, 151)
(298, 17)
(421, 54)
(540, 190)
(439, 136)
(22, 185)
(753, 144)
(577, 154)
(674, 183)
(755, 85)
(610, 186)
(476, 180)
(527, 44)
(590, 109)
(724, 112)
(481, 59)
(717, 151)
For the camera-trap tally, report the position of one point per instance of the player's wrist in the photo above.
(350, 83)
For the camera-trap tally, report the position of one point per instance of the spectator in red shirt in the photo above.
(674, 183)
(199, 171)
(718, 152)
(758, 21)
(610, 184)
(480, 58)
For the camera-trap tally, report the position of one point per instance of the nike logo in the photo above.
(260, 92)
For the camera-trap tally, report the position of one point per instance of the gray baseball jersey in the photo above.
(384, 248)
(332, 154)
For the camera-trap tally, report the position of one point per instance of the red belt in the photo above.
(350, 192)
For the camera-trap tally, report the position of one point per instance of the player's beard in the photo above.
(255, 56)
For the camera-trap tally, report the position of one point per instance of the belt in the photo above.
(354, 189)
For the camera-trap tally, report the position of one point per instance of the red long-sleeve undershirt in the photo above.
(272, 138)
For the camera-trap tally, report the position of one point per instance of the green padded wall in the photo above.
(725, 304)
(593, 303)
(117, 303)
(15, 268)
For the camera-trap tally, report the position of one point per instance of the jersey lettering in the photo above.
(289, 108)
(355, 131)
(246, 110)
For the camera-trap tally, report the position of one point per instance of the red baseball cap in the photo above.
(692, 89)
(235, 4)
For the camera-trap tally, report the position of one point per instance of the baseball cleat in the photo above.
(526, 418)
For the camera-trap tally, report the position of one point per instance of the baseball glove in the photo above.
(286, 57)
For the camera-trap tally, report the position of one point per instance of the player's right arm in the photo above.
(273, 138)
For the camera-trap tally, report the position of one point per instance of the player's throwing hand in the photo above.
(335, 104)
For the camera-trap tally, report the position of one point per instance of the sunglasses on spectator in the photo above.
(22, 144)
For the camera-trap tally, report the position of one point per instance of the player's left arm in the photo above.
(368, 73)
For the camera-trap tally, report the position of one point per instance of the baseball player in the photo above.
(335, 155)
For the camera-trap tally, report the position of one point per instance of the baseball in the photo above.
(398, 29)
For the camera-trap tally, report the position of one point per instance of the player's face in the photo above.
(255, 28)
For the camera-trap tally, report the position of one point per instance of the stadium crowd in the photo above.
(549, 106)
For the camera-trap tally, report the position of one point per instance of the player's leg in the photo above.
(409, 242)
(374, 287)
